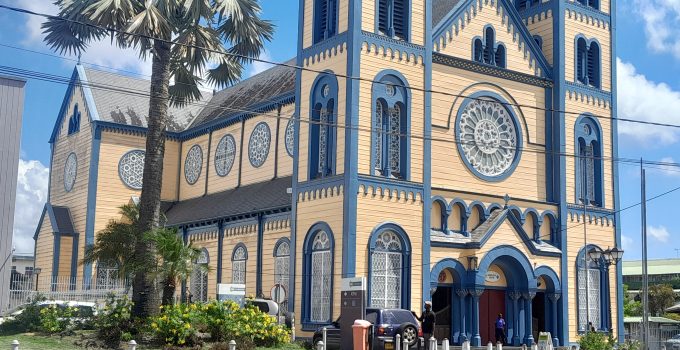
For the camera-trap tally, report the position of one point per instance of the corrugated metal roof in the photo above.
(654, 267)
(268, 195)
(651, 319)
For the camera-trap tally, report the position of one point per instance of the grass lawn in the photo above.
(30, 341)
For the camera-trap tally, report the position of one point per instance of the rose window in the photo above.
(258, 146)
(131, 169)
(193, 164)
(488, 137)
(70, 171)
(224, 155)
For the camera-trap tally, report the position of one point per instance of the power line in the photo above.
(112, 30)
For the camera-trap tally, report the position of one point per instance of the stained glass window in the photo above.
(589, 163)
(282, 266)
(588, 297)
(377, 127)
(224, 155)
(199, 278)
(290, 136)
(70, 171)
(323, 140)
(131, 169)
(258, 146)
(389, 128)
(238, 265)
(386, 271)
(193, 164)
(321, 278)
(395, 140)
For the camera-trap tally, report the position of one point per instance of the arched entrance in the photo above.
(545, 304)
(449, 298)
(504, 283)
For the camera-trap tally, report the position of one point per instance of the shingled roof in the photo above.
(259, 197)
(441, 8)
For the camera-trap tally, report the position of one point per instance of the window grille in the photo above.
(588, 299)
(386, 271)
(238, 266)
(282, 266)
(321, 278)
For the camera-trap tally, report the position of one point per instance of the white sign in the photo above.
(545, 341)
(278, 293)
(354, 284)
(492, 276)
(234, 292)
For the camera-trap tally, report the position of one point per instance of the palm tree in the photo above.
(176, 260)
(182, 37)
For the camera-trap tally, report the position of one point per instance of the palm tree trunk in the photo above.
(169, 287)
(146, 294)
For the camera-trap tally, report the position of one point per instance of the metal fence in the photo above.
(657, 336)
(23, 288)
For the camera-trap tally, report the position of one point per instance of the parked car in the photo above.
(673, 343)
(84, 310)
(271, 308)
(387, 323)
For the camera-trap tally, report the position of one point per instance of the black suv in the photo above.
(387, 323)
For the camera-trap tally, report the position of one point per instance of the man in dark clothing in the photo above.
(500, 329)
(427, 322)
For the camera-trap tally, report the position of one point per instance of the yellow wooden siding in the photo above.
(208, 240)
(328, 210)
(455, 218)
(601, 235)
(218, 183)
(417, 25)
(407, 213)
(527, 181)
(170, 170)
(436, 215)
(79, 143)
(44, 247)
(308, 17)
(368, 16)
(65, 256)
(187, 190)
(372, 64)
(251, 174)
(285, 161)
(570, 148)
(544, 231)
(343, 15)
(574, 25)
(248, 236)
(542, 25)
(274, 231)
(604, 5)
(338, 65)
(460, 44)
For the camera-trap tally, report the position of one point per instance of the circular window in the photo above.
(258, 146)
(290, 136)
(70, 171)
(325, 91)
(488, 138)
(192, 164)
(131, 169)
(224, 155)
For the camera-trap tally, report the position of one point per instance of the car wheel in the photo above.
(410, 334)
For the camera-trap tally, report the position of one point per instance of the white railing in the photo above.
(657, 336)
(23, 288)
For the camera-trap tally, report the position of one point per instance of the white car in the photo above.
(673, 343)
(83, 309)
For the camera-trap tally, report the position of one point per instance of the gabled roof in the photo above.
(264, 196)
(440, 10)
(60, 219)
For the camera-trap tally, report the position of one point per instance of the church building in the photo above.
(453, 151)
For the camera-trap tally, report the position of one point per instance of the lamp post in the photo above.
(37, 271)
(606, 258)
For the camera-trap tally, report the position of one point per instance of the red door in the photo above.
(491, 303)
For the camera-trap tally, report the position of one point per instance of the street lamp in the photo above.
(37, 271)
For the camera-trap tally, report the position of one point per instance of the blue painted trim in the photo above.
(401, 50)
(87, 92)
(195, 230)
(92, 195)
(56, 249)
(588, 46)
(329, 29)
(406, 261)
(518, 129)
(130, 129)
(281, 240)
(551, 275)
(521, 267)
(595, 136)
(402, 187)
(74, 260)
(578, 88)
(588, 11)
(220, 251)
(452, 265)
(550, 181)
(260, 254)
(324, 49)
(327, 78)
(427, 152)
(537, 9)
(307, 324)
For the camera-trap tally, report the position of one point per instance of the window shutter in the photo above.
(594, 65)
(591, 67)
(521, 4)
(321, 20)
(332, 12)
(478, 54)
(400, 19)
(382, 17)
(500, 56)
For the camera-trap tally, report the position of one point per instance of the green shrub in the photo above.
(226, 321)
(114, 322)
(27, 321)
(176, 325)
(57, 319)
(596, 341)
(630, 345)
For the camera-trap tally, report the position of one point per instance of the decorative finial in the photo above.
(79, 54)
(506, 199)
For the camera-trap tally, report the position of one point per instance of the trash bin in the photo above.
(360, 334)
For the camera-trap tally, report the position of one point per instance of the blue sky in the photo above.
(648, 78)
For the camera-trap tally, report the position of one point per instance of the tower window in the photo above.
(390, 128)
(590, 3)
(325, 19)
(589, 162)
(322, 127)
(539, 41)
(525, 4)
(486, 50)
(393, 18)
(74, 121)
(588, 63)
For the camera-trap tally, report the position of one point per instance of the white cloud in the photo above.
(666, 169)
(646, 100)
(31, 197)
(258, 67)
(660, 233)
(101, 53)
(662, 24)
(627, 242)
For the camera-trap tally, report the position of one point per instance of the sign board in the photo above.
(544, 341)
(233, 292)
(492, 276)
(278, 293)
(352, 307)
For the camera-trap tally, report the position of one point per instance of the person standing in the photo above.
(500, 329)
(427, 322)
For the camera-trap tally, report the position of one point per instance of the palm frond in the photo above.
(196, 10)
(113, 13)
(195, 45)
(227, 72)
(146, 24)
(185, 89)
(72, 30)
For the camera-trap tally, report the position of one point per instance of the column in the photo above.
(476, 337)
(605, 300)
(462, 293)
(554, 326)
(528, 336)
(514, 296)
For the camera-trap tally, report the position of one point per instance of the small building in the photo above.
(659, 271)
(660, 330)
(23, 264)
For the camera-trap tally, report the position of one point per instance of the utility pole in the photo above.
(677, 252)
(645, 277)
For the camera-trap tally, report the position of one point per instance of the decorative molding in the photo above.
(395, 49)
(575, 10)
(597, 216)
(390, 188)
(503, 73)
(542, 10)
(324, 187)
(588, 94)
(325, 49)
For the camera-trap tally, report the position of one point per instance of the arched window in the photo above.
(322, 126)
(486, 50)
(239, 260)
(389, 269)
(393, 18)
(390, 128)
(439, 216)
(525, 4)
(589, 164)
(588, 62)
(592, 291)
(590, 3)
(318, 275)
(199, 278)
(325, 19)
(74, 121)
(282, 265)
